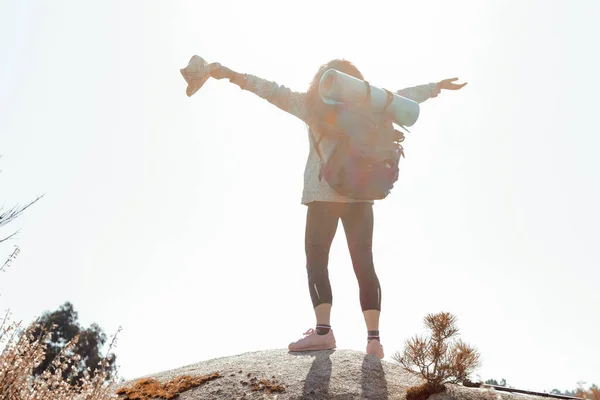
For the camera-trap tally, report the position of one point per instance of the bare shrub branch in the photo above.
(24, 350)
(439, 358)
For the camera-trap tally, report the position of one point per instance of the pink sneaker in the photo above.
(375, 348)
(312, 341)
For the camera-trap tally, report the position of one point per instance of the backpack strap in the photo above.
(390, 98)
(317, 142)
(329, 116)
(368, 95)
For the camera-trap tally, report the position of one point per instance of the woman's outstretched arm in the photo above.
(420, 93)
(278, 95)
(423, 92)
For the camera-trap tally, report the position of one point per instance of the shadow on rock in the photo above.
(316, 384)
(373, 382)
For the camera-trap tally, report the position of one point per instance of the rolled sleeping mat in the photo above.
(338, 87)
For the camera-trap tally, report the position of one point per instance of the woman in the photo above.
(325, 207)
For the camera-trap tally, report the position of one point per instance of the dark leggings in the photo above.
(321, 224)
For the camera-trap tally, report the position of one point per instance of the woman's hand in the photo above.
(218, 71)
(448, 85)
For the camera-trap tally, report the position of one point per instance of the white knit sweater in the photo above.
(294, 103)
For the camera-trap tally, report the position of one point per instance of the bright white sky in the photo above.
(179, 218)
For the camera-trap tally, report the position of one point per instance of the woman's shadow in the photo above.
(316, 384)
(373, 382)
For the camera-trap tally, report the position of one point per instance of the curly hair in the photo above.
(316, 108)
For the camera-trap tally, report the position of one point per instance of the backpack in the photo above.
(363, 164)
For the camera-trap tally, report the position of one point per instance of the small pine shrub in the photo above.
(439, 358)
